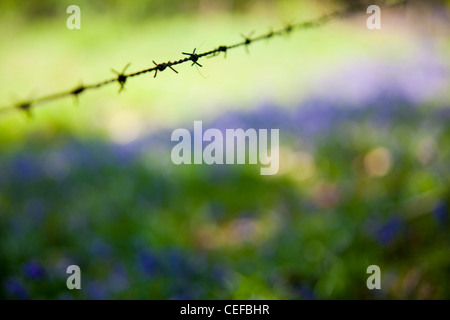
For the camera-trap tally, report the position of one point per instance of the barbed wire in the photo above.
(194, 57)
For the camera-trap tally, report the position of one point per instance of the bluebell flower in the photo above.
(229, 120)
(125, 154)
(177, 263)
(180, 297)
(220, 275)
(65, 296)
(24, 167)
(442, 114)
(118, 279)
(315, 117)
(96, 290)
(16, 289)
(440, 213)
(387, 232)
(34, 270)
(86, 156)
(147, 262)
(305, 291)
(268, 116)
(100, 248)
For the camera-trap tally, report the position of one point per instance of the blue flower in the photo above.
(118, 279)
(316, 117)
(306, 292)
(101, 249)
(34, 270)
(125, 154)
(387, 232)
(147, 262)
(220, 275)
(96, 290)
(440, 213)
(24, 167)
(65, 296)
(177, 262)
(16, 289)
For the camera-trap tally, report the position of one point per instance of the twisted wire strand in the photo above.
(193, 57)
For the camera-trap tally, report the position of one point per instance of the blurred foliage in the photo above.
(136, 9)
(140, 227)
(364, 164)
(144, 9)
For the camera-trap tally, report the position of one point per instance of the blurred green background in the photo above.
(364, 161)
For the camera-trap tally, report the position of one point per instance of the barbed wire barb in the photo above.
(26, 108)
(162, 66)
(194, 57)
(121, 77)
(248, 41)
(76, 93)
